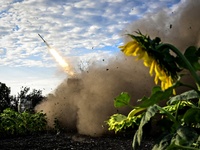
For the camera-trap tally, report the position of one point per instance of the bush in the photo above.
(14, 123)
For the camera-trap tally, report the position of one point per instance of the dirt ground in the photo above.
(71, 141)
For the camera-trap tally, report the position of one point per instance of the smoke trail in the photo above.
(85, 102)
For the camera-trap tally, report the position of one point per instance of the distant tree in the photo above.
(32, 98)
(35, 97)
(4, 96)
(25, 97)
(13, 102)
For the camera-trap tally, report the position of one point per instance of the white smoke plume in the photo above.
(85, 102)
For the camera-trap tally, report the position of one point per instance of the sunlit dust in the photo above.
(61, 61)
(86, 102)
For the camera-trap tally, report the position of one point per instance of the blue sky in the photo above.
(82, 30)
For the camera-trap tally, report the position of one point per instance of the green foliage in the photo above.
(174, 111)
(4, 96)
(119, 122)
(193, 121)
(180, 114)
(57, 126)
(122, 100)
(150, 112)
(188, 95)
(157, 96)
(192, 54)
(14, 123)
(26, 96)
(185, 138)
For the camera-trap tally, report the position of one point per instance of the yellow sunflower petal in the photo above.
(141, 54)
(127, 44)
(129, 47)
(160, 73)
(152, 66)
(156, 79)
(130, 50)
(137, 50)
(163, 85)
(169, 82)
(147, 60)
(163, 78)
(166, 85)
(174, 91)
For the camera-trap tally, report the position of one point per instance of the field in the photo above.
(71, 141)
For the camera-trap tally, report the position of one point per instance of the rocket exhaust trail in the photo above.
(44, 41)
(62, 62)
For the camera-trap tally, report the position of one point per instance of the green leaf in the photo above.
(122, 100)
(151, 111)
(192, 116)
(157, 96)
(192, 55)
(170, 116)
(155, 89)
(118, 117)
(183, 139)
(185, 136)
(192, 94)
(164, 143)
(119, 122)
(173, 146)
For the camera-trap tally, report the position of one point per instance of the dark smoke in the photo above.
(86, 101)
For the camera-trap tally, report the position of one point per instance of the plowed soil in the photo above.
(71, 141)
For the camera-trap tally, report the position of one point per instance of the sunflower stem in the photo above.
(185, 60)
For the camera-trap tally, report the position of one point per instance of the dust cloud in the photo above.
(180, 27)
(84, 102)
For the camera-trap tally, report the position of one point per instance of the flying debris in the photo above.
(44, 41)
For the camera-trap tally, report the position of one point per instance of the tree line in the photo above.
(24, 100)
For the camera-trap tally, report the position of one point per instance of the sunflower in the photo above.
(160, 62)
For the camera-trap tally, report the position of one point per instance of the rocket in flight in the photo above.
(44, 41)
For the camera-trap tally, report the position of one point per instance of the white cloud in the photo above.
(85, 4)
(78, 29)
(66, 25)
(134, 11)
